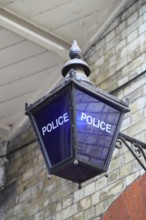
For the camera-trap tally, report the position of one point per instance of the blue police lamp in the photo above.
(76, 124)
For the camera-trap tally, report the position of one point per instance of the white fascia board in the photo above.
(34, 33)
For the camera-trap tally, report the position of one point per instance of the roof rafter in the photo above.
(34, 33)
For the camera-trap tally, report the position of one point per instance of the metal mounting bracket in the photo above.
(136, 147)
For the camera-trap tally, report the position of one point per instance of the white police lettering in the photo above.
(55, 124)
(96, 123)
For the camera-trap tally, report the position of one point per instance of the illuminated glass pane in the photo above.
(53, 123)
(96, 125)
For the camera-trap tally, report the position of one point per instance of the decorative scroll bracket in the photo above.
(136, 147)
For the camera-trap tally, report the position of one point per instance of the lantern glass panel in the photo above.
(96, 125)
(53, 123)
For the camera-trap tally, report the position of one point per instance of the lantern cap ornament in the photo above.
(75, 51)
(76, 61)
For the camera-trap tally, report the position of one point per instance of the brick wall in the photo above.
(3, 164)
(131, 204)
(121, 51)
(115, 60)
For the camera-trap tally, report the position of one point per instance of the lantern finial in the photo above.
(75, 51)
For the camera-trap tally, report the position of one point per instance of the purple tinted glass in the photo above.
(96, 125)
(53, 123)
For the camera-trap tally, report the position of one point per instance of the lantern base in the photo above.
(78, 173)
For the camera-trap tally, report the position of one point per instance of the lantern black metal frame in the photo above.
(73, 167)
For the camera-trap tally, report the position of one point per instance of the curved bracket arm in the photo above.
(136, 148)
